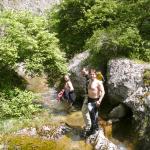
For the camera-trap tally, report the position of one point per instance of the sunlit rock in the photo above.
(75, 66)
(129, 83)
(76, 63)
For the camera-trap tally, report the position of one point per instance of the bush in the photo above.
(127, 22)
(124, 35)
(17, 103)
(25, 38)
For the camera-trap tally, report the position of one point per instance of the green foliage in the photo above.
(68, 20)
(145, 29)
(124, 26)
(102, 14)
(26, 39)
(110, 43)
(10, 80)
(17, 103)
(8, 54)
(122, 36)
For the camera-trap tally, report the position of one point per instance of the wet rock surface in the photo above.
(46, 132)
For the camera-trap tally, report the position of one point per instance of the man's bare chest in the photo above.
(92, 86)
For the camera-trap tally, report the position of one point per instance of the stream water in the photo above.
(117, 132)
(120, 133)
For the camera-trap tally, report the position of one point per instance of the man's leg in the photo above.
(93, 111)
(86, 114)
(86, 117)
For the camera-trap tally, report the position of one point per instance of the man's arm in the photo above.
(101, 92)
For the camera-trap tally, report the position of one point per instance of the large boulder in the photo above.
(75, 66)
(129, 83)
(124, 78)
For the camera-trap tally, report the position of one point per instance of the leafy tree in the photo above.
(102, 14)
(24, 38)
(68, 21)
(119, 32)
(127, 22)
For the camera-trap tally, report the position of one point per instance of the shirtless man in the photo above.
(95, 95)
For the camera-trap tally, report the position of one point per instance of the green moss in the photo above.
(146, 77)
(14, 124)
(30, 143)
(13, 142)
(135, 60)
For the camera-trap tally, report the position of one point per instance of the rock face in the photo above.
(36, 6)
(75, 66)
(126, 84)
(124, 78)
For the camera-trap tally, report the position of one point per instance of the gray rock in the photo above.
(124, 77)
(36, 6)
(46, 131)
(126, 85)
(75, 66)
(76, 63)
(118, 112)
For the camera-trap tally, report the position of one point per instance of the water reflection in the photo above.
(120, 133)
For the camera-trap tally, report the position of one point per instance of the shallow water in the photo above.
(118, 132)
(60, 112)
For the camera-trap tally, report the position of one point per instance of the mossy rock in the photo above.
(146, 77)
(30, 143)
